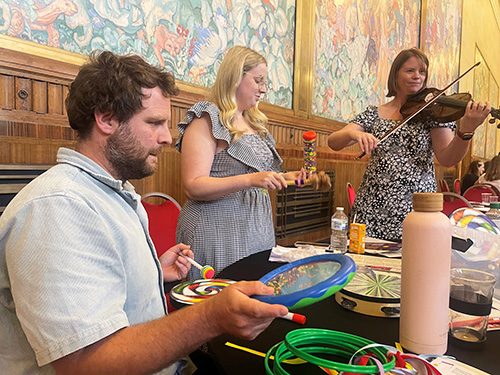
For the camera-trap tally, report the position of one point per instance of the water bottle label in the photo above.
(339, 224)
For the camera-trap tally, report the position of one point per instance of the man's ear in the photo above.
(106, 122)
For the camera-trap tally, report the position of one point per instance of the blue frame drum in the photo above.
(306, 281)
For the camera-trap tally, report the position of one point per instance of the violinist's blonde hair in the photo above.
(238, 61)
(401, 58)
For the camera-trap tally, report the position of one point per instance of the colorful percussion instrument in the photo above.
(309, 139)
(372, 292)
(191, 292)
(309, 280)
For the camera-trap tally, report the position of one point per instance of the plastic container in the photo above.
(338, 239)
(425, 276)
(494, 213)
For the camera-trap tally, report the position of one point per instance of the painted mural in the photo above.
(441, 41)
(356, 42)
(188, 37)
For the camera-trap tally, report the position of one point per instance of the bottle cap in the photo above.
(427, 202)
(340, 208)
(495, 205)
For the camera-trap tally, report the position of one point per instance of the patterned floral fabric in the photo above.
(224, 230)
(401, 165)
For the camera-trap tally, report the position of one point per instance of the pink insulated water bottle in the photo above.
(425, 276)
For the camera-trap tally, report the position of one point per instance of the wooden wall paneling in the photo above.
(288, 135)
(284, 133)
(39, 96)
(173, 176)
(177, 115)
(38, 66)
(24, 94)
(347, 171)
(65, 91)
(281, 132)
(166, 179)
(21, 150)
(54, 132)
(275, 131)
(7, 87)
(22, 129)
(55, 99)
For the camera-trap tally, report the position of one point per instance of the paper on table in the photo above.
(447, 366)
(290, 254)
(378, 263)
(384, 248)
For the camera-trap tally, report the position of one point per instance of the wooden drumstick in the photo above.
(297, 182)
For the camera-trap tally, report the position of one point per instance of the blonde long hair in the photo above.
(238, 61)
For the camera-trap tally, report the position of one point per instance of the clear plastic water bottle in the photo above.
(494, 213)
(338, 240)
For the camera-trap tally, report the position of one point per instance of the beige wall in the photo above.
(481, 27)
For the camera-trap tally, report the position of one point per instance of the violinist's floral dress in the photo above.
(224, 230)
(399, 166)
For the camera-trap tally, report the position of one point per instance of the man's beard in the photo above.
(127, 156)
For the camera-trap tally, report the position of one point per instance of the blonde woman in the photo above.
(228, 164)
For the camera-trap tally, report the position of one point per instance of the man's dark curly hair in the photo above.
(113, 83)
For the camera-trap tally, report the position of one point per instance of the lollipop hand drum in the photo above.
(207, 272)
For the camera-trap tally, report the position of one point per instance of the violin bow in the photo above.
(428, 104)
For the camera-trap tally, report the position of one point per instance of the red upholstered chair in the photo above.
(473, 194)
(453, 201)
(351, 195)
(162, 226)
(443, 185)
(162, 221)
(457, 186)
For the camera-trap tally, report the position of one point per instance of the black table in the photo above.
(327, 314)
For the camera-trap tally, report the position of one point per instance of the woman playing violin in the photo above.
(403, 163)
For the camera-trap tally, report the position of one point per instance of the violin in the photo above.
(446, 108)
